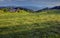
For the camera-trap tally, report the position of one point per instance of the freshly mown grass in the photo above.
(24, 24)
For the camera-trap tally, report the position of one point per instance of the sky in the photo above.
(29, 2)
(36, 3)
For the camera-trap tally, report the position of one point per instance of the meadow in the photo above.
(25, 24)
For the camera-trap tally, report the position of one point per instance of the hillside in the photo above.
(49, 8)
(45, 24)
(14, 9)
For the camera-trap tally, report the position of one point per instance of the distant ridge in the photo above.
(15, 8)
(56, 7)
(47, 8)
(26, 9)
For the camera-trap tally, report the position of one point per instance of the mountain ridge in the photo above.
(27, 9)
(52, 8)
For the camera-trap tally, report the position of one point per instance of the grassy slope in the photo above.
(24, 24)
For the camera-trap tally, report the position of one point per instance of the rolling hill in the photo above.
(23, 24)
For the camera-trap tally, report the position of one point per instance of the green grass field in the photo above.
(23, 24)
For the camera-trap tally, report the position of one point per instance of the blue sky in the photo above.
(29, 2)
